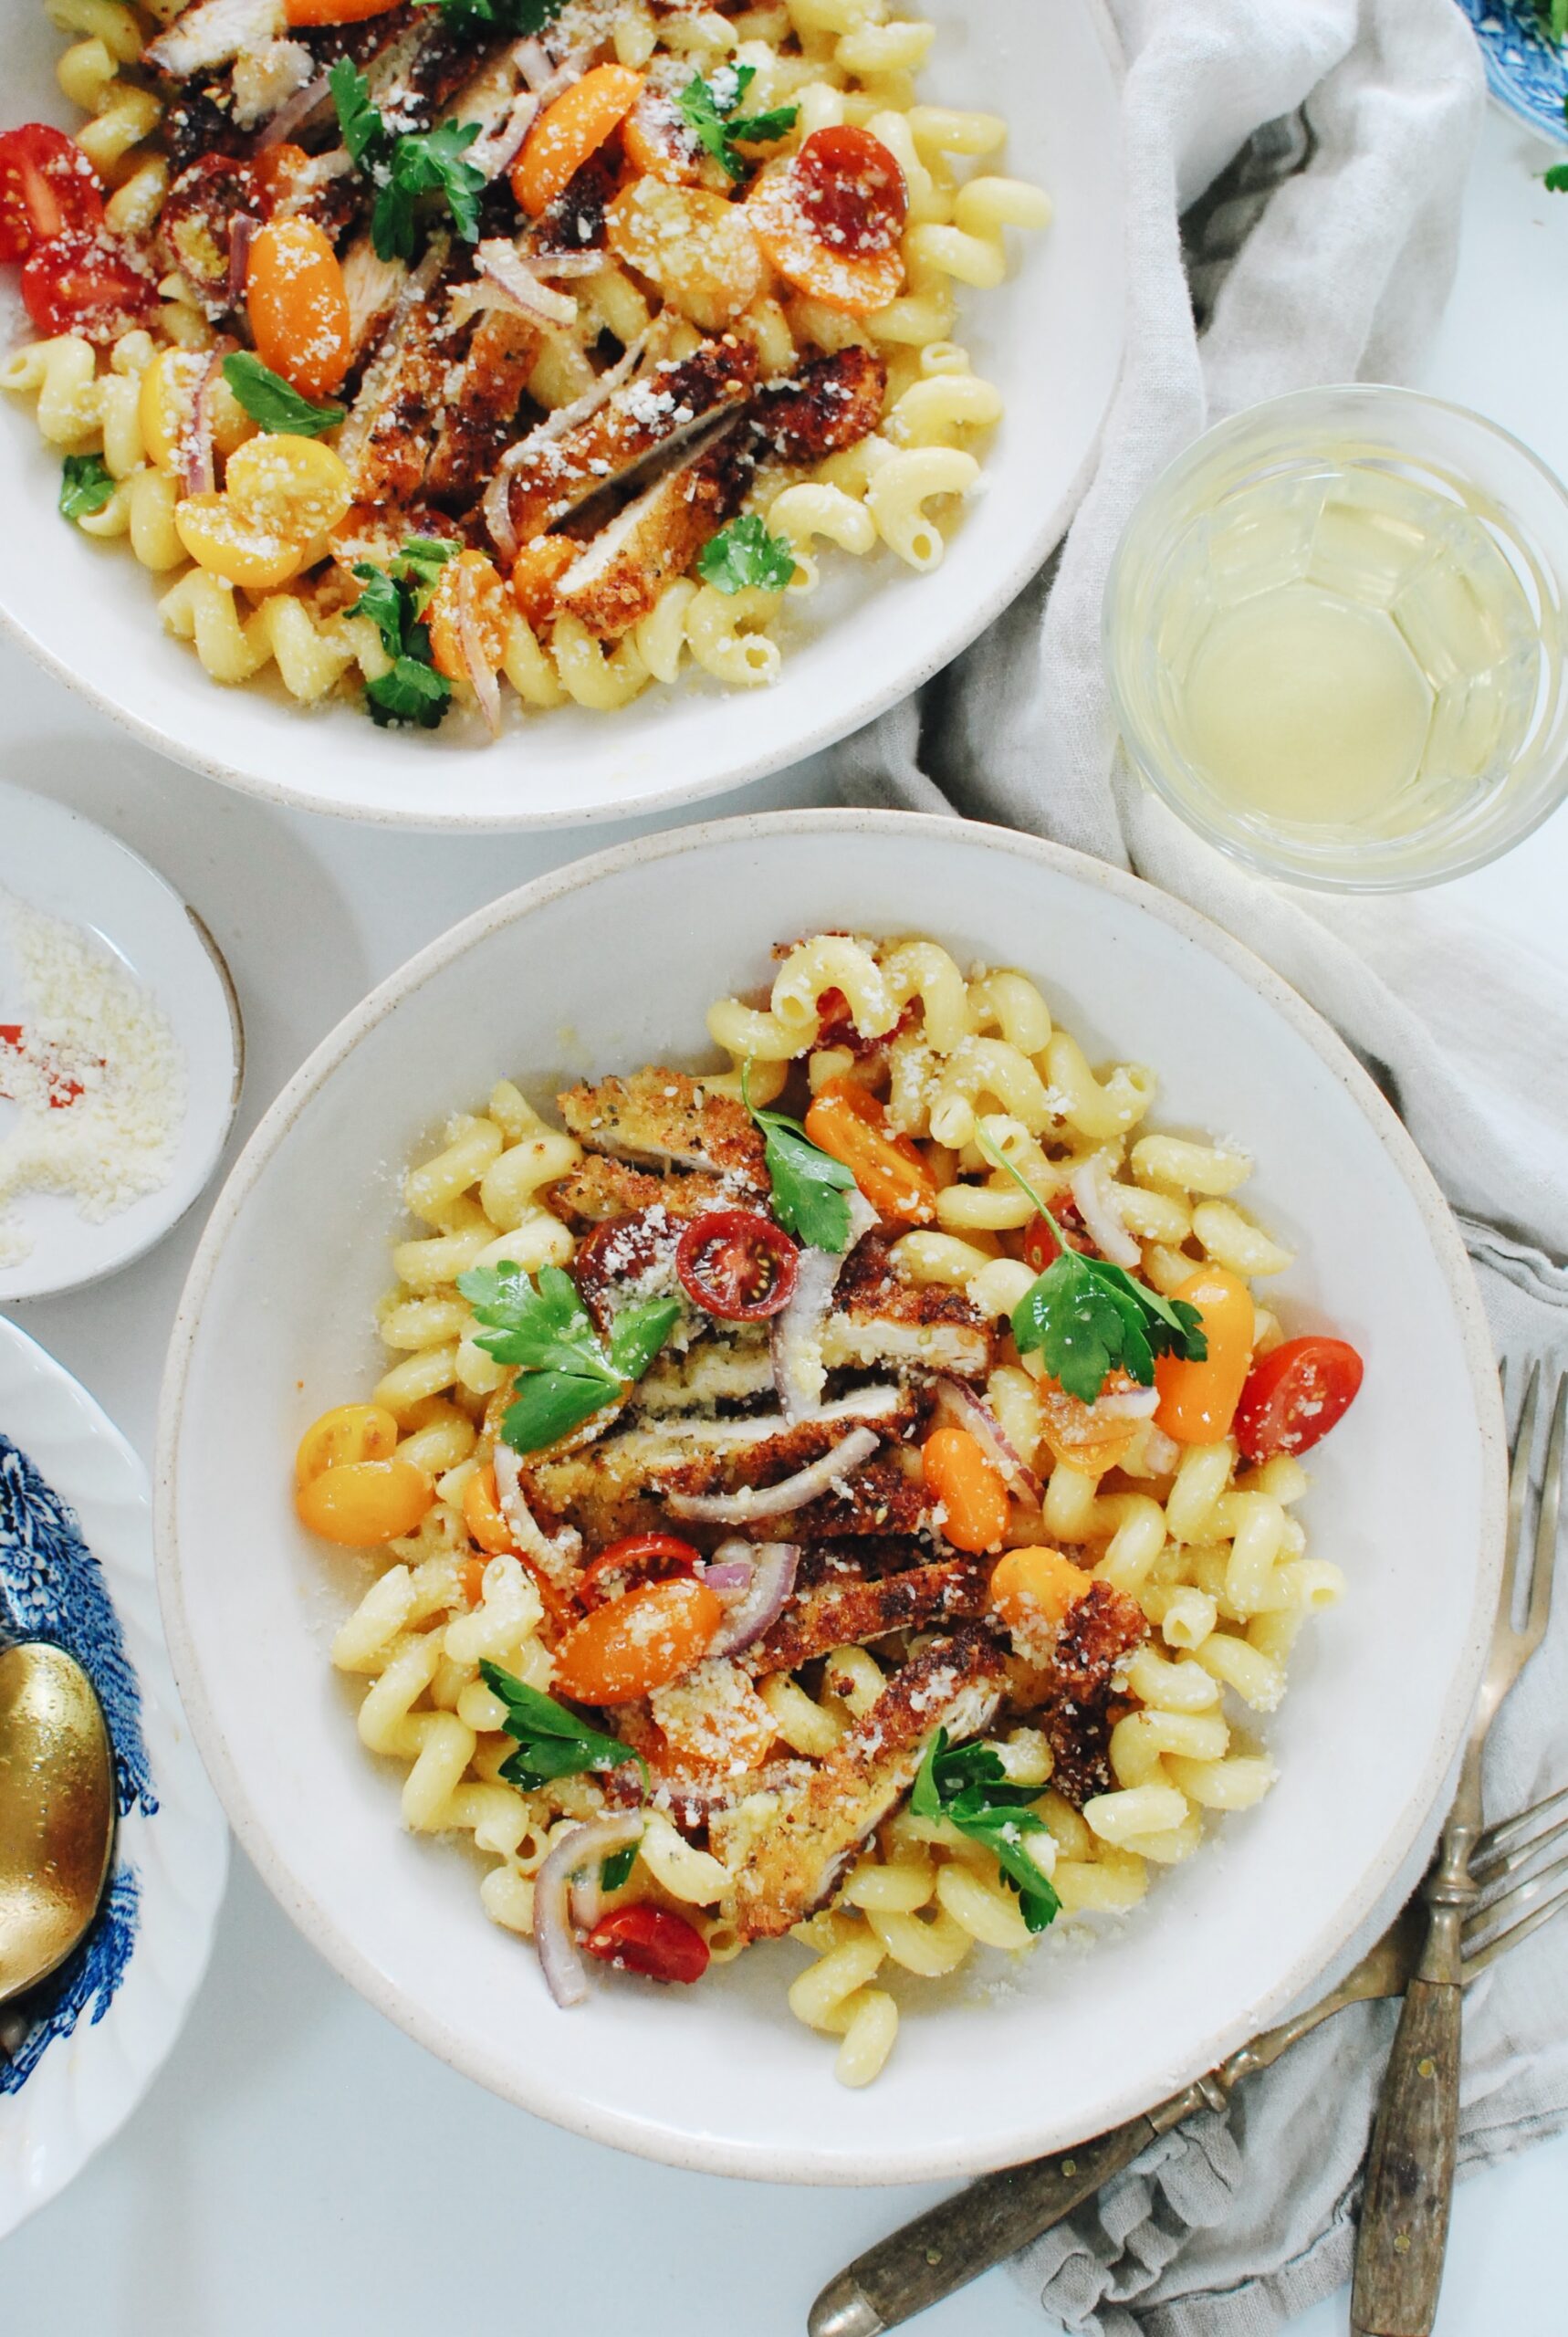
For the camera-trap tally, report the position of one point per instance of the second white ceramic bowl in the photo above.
(611, 964)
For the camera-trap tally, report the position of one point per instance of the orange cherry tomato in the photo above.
(1198, 1400)
(846, 1121)
(970, 1490)
(360, 1503)
(537, 570)
(569, 131)
(658, 143)
(348, 1432)
(830, 220)
(631, 1646)
(483, 1514)
(1036, 1585)
(298, 308)
(468, 589)
(474, 1579)
(337, 12)
(1079, 1436)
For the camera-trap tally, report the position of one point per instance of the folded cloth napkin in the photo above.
(1335, 271)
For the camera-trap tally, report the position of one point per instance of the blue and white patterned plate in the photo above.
(76, 1566)
(1526, 72)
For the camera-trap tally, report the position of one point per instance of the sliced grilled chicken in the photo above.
(617, 581)
(831, 403)
(661, 1118)
(787, 1851)
(714, 1371)
(600, 1189)
(481, 405)
(885, 1497)
(849, 1613)
(1080, 1707)
(371, 286)
(880, 1321)
(214, 33)
(393, 423)
(555, 470)
(265, 79)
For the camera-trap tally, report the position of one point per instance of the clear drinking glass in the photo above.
(1335, 635)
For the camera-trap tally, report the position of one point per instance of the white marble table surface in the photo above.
(299, 2164)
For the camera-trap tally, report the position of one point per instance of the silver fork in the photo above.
(1404, 2231)
(953, 2243)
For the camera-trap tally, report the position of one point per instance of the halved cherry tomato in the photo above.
(569, 131)
(638, 1643)
(557, 1605)
(348, 1432)
(1080, 1434)
(846, 1121)
(1295, 1394)
(663, 1557)
(221, 539)
(80, 282)
(853, 261)
(363, 1502)
(737, 1266)
(1040, 1247)
(651, 1940)
(1198, 1400)
(469, 603)
(336, 12)
(659, 142)
(46, 186)
(1036, 1585)
(968, 1486)
(851, 191)
(483, 1514)
(838, 1026)
(298, 308)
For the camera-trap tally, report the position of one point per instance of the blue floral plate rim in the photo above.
(1527, 73)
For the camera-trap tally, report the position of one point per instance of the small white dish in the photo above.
(53, 860)
(114, 2012)
(611, 964)
(1050, 338)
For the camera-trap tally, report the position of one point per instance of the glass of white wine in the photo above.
(1336, 638)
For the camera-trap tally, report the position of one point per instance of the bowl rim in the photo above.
(624, 2130)
(968, 621)
(1278, 864)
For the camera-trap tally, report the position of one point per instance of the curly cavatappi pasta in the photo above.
(757, 1463)
(621, 327)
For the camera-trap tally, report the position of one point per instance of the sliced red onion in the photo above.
(806, 1485)
(198, 473)
(965, 1408)
(1101, 1218)
(773, 1580)
(571, 68)
(589, 1844)
(293, 111)
(558, 1553)
(504, 267)
(498, 147)
(242, 235)
(470, 640)
(733, 1572)
(800, 1374)
(532, 59)
(1127, 1404)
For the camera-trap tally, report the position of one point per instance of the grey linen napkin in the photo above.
(1317, 149)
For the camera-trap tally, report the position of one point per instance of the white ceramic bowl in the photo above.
(611, 964)
(1050, 338)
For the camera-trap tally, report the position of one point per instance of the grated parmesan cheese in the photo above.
(97, 1078)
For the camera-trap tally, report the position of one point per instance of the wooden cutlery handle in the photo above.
(1410, 2171)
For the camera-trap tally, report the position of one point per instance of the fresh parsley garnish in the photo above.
(809, 1185)
(269, 399)
(616, 1868)
(1086, 1316)
(394, 600)
(1555, 180)
(745, 553)
(406, 168)
(521, 18)
(566, 1373)
(968, 1786)
(1553, 16)
(552, 1741)
(85, 485)
(709, 110)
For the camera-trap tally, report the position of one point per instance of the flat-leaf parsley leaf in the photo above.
(745, 553)
(709, 110)
(968, 1786)
(565, 1374)
(269, 399)
(1086, 1317)
(551, 1741)
(428, 164)
(394, 600)
(809, 1185)
(86, 486)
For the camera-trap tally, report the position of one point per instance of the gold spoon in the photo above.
(56, 1811)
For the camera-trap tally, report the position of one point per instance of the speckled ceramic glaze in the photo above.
(1526, 72)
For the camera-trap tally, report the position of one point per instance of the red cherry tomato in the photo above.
(651, 1940)
(46, 186)
(737, 1266)
(81, 283)
(658, 1557)
(1294, 1395)
(850, 189)
(1040, 1247)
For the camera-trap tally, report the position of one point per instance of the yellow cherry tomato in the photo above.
(363, 1502)
(1080, 1435)
(298, 308)
(1198, 1400)
(297, 487)
(695, 245)
(348, 1432)
(224, 542)
(631, 1646)
(1036, 1585)
(968, 1486)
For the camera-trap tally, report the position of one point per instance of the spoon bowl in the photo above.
(56, 1811)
